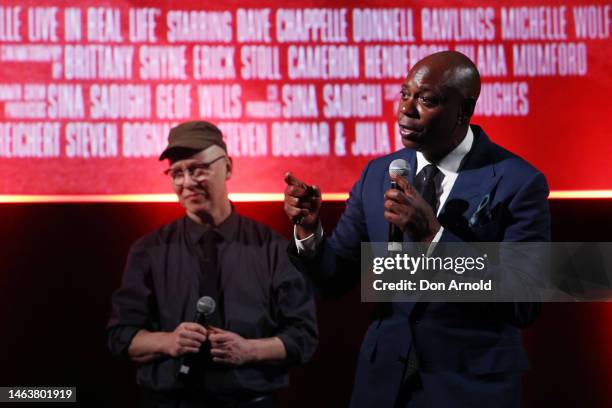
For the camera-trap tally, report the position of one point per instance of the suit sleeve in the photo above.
(530, 212)
(334, 270)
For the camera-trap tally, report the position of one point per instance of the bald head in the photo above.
(455, 71)
(437, 101)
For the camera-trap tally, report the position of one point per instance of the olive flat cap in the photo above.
(195, 135)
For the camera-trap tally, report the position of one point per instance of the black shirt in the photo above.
(263, 296)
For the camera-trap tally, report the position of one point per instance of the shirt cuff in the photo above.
(291, 348)
(120, 338)
(435, 241)
(307, 247)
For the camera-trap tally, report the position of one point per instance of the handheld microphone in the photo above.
(395, 236)
(204, 308)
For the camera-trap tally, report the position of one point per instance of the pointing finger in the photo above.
(291, 180)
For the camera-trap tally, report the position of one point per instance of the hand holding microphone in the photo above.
(193, 335)
(302, 205)
(406, 210)
(186, 339)
(398, 169)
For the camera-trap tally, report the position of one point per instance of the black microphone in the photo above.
(396, 237)
(204, 308)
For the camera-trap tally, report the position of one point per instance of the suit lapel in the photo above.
(472, 185)
(476, 179)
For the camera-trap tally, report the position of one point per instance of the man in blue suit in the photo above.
(466, 189)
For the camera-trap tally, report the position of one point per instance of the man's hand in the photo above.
(410, 212)
(302, 205)
(185, 339)
(230, 348)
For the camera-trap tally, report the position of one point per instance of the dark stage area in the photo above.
(61, 262)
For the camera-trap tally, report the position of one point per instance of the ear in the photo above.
(229, 165)
(466, 109)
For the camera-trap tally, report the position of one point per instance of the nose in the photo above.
(188, 180)
(408, 107)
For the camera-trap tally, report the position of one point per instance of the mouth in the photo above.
(193, 196)
(409, 133)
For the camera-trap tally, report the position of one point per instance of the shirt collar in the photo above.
(226, 230)
(452, 161)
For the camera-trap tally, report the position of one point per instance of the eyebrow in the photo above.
(432, 86)
(185, 166)
(424, 88)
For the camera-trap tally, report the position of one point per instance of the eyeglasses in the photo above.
(197, 171)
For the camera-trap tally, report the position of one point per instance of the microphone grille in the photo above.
(206, 305)
(399, 167)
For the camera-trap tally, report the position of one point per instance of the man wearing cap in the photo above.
(264, 320)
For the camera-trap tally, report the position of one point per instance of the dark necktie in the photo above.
(210, 284)
(425, 184)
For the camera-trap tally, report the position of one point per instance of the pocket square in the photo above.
(482, 215)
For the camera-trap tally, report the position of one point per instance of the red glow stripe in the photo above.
(146, 198)
(89, 198)
(579, 194)
(238, 197)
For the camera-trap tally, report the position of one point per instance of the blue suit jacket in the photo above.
(465, 350)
